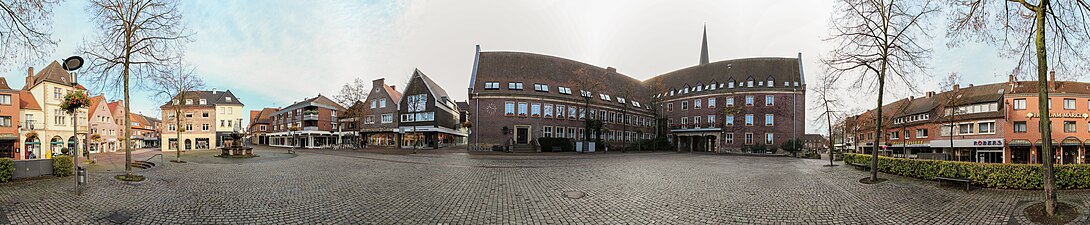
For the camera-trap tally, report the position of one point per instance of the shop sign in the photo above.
(1060, 115)
(913, 143)
(969, 143)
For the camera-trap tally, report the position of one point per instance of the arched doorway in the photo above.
(72, 144)
(55, 145)
(188, 144)
(32, 147)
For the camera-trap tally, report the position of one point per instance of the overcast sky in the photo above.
(272, 53)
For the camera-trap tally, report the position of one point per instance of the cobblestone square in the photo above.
(456, 187)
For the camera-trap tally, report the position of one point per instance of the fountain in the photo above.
(236, 150)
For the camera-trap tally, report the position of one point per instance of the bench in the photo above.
(291, 151)
(951, 179)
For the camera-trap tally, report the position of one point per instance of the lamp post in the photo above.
(586, 123)
(72, 64)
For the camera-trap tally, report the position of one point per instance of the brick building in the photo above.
(992, 123)
(311, 123)
(201, 116)
(428, 118)
(9, 122)
(104, 131)
(713, 106)
(260, 125)
(380, 115)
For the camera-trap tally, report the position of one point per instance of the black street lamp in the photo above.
(72, 64)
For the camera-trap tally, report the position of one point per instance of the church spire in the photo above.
(704, 47)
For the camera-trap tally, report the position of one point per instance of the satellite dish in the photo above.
(72, 63)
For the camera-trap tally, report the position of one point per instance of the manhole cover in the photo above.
(574, 194)
(119, 217)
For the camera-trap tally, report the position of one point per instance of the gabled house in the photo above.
(428, 117)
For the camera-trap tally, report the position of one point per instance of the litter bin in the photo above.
(81, 174)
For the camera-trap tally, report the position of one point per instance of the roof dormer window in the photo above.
(189, 101)
(204, 102)
(228, 99)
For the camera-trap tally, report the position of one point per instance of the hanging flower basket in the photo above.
(31, 134)
(75, 100)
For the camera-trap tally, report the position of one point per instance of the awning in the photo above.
(57, 143)
(9, 137)
(1018, 143)
(1071, 141)
(1038, 143)
(33, 143)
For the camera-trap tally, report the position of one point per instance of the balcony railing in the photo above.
(310, 128)
(310, 117)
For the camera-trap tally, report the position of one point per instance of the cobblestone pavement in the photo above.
(338, 187)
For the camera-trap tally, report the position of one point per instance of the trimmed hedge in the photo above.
(547, 144)
(7, 169)
(62, 165)
(993, 175)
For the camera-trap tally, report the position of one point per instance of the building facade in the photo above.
(991, 123)
(260, 126)
(730, 105)
(516, 98)
(48, 87)
(196, 115)
(103, 129)
(311, 123)
(30, 115)
(9, 122)
(379, 127)
(428, 118)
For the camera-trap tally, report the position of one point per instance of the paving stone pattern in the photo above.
(353, 187)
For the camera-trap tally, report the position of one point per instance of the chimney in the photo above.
(29, 77)
(393, 87)
(910, 97)
(930, 93)
(1052, 75)
(1010, 78)
(611, 69)
(957, 86)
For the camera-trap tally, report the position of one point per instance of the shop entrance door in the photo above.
(522, 135)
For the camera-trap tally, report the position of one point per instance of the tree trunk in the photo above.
(128, 121)
(1042, 100)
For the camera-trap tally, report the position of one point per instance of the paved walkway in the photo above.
(344, 186)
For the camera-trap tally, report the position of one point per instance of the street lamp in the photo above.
(72, 64)
(586, 123)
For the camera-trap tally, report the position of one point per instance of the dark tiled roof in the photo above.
(531, 68)
(4, 84)
(213, 98)
(735, 70)
(435, 89)
(53, 73)
(320, 101)
(463, 105)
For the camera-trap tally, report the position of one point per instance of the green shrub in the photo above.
(547, 144)
(62, 166)
(7, 169)
(993, 175)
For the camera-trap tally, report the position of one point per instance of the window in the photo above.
(620, 100)
(711, 102)
(509, 108)
(1020, 104)
(749, 100)
(749, 138)
(1069, 103)
(381, 103)
(921, 133)
(548, 110)
(189, 127)
(769, 100)
(535, 109)
(417, 103)
(750, 83)
(1069, 126)
(175, 101)
(684, 120)
(749, 119)
(369, 120)
(5, 99)
(204, 114)
(711, 120)
(204, 101)
(669, 107)
(547, 131)
(768, 138)
(388, 118)
(989, 127)
(696, 103)
(728, 138)
(514, 86)
(223, 123)
(170, 127)
(228, 99)
(696, 121)
(564, 90)
(491, 85)
(769, 119)
(559, 111)
(729, 119)
(684, 105)
(571, 132)
(5, 121)
(571, 112)
(730, 84)
(189, 101)
(408, 117)
(604, 97)
(204, 127)
(425, 116)
(730, 101)
(1019, 126)
(57, 93)
(188, 115)
(522, 109)
(585, 94)
(541, 87)
(965, 128)
(771, 82)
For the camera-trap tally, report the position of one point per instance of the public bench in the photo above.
(955, 180)
(860, 167)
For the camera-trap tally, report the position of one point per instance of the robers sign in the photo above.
(1060, 115)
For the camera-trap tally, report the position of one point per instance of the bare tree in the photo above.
(176, 87)
(139, 39)
(876, 39)
(827, 101)
(1025, 30)
(25, 30)
(951, 100)
(353, 91)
